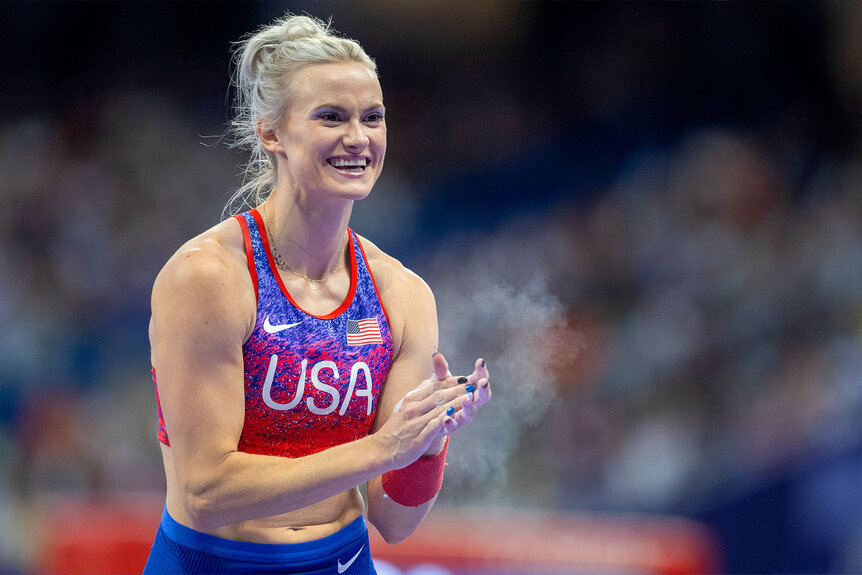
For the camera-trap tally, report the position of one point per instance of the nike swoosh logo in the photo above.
(269, 328)
(346, 566)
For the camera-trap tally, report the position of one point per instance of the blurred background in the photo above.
(647, 217)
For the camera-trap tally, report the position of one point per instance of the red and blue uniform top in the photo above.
(311, 382)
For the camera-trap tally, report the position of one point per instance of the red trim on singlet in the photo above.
(373, 282)
(350, 293)
(163, 429)
(249, 251)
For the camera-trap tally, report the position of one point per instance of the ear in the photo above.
(269, 138)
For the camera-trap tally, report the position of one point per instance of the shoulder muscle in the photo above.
(205, 285)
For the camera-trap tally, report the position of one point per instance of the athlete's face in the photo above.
(333, 139)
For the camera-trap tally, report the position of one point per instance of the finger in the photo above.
(440, 367)
(460, 413)
(450, 426)
(480, 370)
(463, 404)
(456, 390)
(470, 389)
(462, 418)
(427, 401)
(442, 423)
(468, 408)
(483, 392)
(439, 391)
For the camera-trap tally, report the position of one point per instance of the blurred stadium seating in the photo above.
(81, 537)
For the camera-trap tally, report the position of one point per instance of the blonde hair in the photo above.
(264, 65)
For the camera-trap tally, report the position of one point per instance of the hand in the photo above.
(437, 407)
(473, 401)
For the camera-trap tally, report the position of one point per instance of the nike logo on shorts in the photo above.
(346, 566)
(269, 328)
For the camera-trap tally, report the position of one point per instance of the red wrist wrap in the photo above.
(417, 483)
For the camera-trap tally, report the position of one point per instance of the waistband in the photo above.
(268, 551)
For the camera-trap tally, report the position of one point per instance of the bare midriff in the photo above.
(299, 526)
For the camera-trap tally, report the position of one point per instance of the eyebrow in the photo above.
(342, 109)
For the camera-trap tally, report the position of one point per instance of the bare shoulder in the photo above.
(209, 270)
(217, 251)
(397, 284)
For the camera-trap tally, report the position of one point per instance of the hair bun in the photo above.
(260, 47)
(299, 27)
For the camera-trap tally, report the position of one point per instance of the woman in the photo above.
(287, 374)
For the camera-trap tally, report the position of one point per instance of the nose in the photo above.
(355, 139)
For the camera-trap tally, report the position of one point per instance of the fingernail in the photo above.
(435, 353)
(483, 362)
(471, 388)
(486, 383)
(462, 380)
(450, 411)
(469, 399)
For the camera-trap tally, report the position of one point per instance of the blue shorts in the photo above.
(179, 549)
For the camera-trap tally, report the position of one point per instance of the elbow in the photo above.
(201, 493)
(200, 506)
(392, 529)
(200, 513)
(395, 539)
(393, 534)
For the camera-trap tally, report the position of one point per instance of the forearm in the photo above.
(394, 521)
(399, 500)
(242, 486)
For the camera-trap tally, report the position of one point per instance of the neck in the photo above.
(311, 240)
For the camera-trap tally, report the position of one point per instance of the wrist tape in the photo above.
(417, 483)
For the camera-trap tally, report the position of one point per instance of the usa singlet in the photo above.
(311, 382)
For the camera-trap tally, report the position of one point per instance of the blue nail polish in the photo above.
(471, 388)
(450, 411)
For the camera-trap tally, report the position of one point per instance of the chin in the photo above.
(360, 195)
(355, 190)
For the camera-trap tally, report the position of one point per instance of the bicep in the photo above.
(416, 309)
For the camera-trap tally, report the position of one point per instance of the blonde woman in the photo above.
(292, 356)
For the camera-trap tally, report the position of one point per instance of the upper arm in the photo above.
(202, 310)
(411, 308)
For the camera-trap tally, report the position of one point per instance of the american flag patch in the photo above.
(363, 331)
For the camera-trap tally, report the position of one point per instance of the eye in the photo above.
(329, 116)
(374, 117)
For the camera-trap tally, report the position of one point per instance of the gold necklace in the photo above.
(282, 264)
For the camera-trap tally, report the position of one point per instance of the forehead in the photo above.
(343, 84)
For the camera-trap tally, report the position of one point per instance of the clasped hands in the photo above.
(436, 408)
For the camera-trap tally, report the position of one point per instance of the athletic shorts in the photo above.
(179, 549)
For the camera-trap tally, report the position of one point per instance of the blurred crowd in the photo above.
(720, 320)
(702, 327)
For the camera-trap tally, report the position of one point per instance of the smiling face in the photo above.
(333, 138)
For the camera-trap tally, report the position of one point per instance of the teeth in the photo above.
(343, 163)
